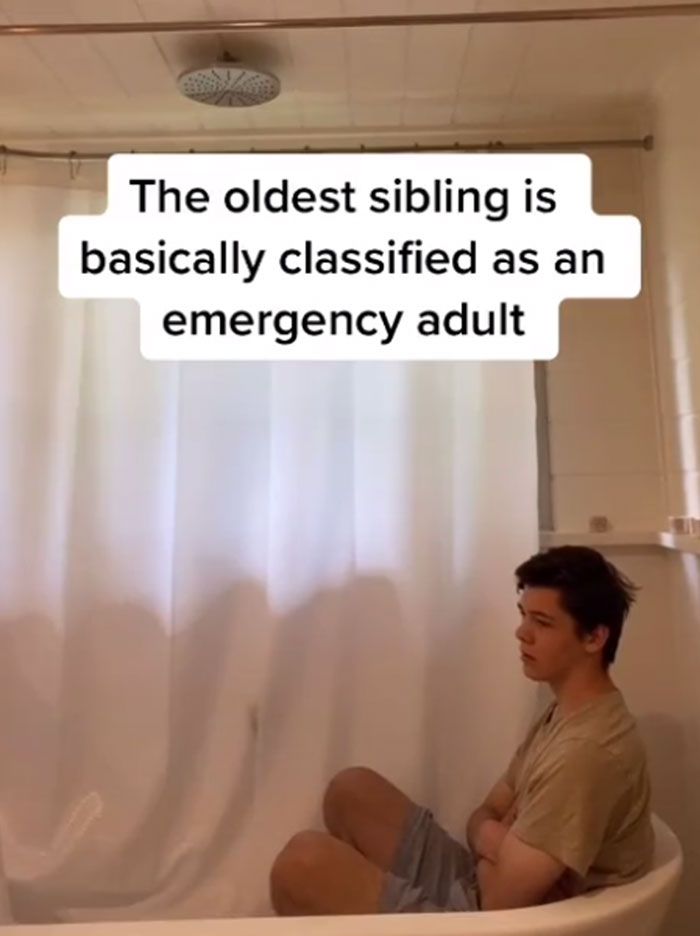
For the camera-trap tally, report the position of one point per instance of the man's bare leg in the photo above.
(365, 810)
(343, 872)
(318, 874)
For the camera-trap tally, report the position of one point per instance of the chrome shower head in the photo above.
(229, 84)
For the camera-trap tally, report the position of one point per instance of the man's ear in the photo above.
(596, 640)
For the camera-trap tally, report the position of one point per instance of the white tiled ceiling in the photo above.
(83, 90)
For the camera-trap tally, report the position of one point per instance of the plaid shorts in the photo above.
(432, 872)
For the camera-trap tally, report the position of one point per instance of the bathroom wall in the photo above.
(672, 195)
(672, 191)
(603, 439)
(623, 405)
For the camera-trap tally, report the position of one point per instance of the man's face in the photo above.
(550, 647)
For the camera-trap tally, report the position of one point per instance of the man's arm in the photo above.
(561, 824)
(486, 828)
(521, 876)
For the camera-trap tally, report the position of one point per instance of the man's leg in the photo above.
(363, 809)
(318, 874)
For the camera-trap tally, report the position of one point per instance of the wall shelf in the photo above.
(613, 538)
(674, 541)
(680, 542)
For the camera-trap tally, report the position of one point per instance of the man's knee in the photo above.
(348, 789)
(294, 870)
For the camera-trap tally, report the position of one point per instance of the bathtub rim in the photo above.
(564, 917)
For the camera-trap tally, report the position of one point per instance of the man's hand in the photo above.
(496, 805)
(488, 839)
(510, 816)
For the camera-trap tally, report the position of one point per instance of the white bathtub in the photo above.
(636, 909)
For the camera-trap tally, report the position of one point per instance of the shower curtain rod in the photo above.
(352, 22)
(497, 146)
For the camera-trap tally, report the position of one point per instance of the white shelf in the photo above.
(680, 542)
(675, 541)
(613, 538)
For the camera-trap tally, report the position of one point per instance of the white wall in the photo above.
(672, 192)
(673, 199)
(623, 398)
(604, 447)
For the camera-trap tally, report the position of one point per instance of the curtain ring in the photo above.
(73, 165)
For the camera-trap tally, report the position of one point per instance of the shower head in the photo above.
(229, 84)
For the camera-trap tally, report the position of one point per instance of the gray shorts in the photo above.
(432, 872)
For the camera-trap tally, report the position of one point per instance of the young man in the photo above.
(570, 813)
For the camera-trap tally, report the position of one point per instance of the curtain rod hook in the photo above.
(73, 165)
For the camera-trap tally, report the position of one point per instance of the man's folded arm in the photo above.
(561, 824)
(521, 876)
(485, 828)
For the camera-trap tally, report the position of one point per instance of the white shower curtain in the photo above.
(221, 583)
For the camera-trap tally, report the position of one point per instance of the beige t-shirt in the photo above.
(583, 796)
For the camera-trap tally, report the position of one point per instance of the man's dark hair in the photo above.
(590, 589)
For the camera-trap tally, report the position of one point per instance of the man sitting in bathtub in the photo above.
(570, 813)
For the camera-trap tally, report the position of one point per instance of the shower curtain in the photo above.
(222, 583)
